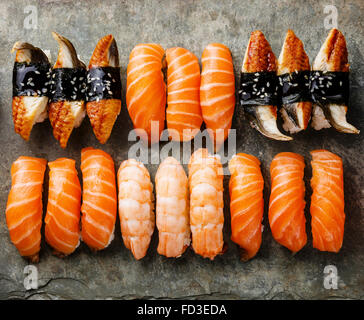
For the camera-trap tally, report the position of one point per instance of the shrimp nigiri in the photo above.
(136, 211)
(62, 229)
(246, 203)
(206, 203)
(99, 202)
(172, 209)
(327, 201)
(217, 91)
(24, 207)
(287, 201)
(146, 91)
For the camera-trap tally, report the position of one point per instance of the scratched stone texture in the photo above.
(113, 273)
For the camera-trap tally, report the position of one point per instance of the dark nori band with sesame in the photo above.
(31, 79)
(103, 83)
(295, 87)
(68, 84)
(258, 89)
(329, 87)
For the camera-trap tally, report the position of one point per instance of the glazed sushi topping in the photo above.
(68, 84)
(295, 86)
(31, 79)
(258, 89)
(103, 83)
(329, 87)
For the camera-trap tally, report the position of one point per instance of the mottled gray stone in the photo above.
(113, 273)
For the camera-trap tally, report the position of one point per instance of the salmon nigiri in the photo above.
(136, 210)
(206, 203)
(217, 91)
(62, 229)
(287, 201)
(184, 117)
(24, 206)
(99, 204)
(172, 210)
(327, 201)
(246, 203)
(146, 90)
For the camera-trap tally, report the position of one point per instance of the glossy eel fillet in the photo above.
(333, 56)
(327, 201)
(260, 57)
(136, 213)
(294, 58)
(28, 110)
(184, 117)
(206, 204)
(62, 230)
(24, 206)
(99, 202)
(103, 113)
(287, 201)
(66, 115)
(146, 90)
(246, 203)
(172, 210)
(217, 91)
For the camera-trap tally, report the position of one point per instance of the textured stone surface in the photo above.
(113, 273)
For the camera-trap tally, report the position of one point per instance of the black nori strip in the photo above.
(329, 87)
(68, 84)
(295, 87)
(31, 79)
(103, 83)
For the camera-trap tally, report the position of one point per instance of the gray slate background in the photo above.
(113, 273)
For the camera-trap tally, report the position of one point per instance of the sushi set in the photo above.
(185, 206)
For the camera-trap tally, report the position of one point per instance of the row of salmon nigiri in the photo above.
(184, 205)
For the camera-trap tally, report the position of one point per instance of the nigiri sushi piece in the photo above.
(99, 198)
(293, 59)
(24, 208)
(259, 57)
(146, 91)
(333, 56)
(246, 203)
(103, 112)
(184, 117)
(29, 107)
(327, 201)
(287, 201)
(67, 112)
(62, 231)
(206, 203)
(217, 92)
(136, 210)
(172, 210)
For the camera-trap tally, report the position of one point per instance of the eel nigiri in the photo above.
(31, 76)
(327, 201)
(246, 203)
(172, 209)
(206, 203)
(62, 230)
(184, 117)
(287, 201)
(136, 211)
(24, 208)
(217, 91)
(293, 61)
(332, 57)
(146, 90)
(259, 58)
(105, 82)
(67, 111)
(99, 199)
